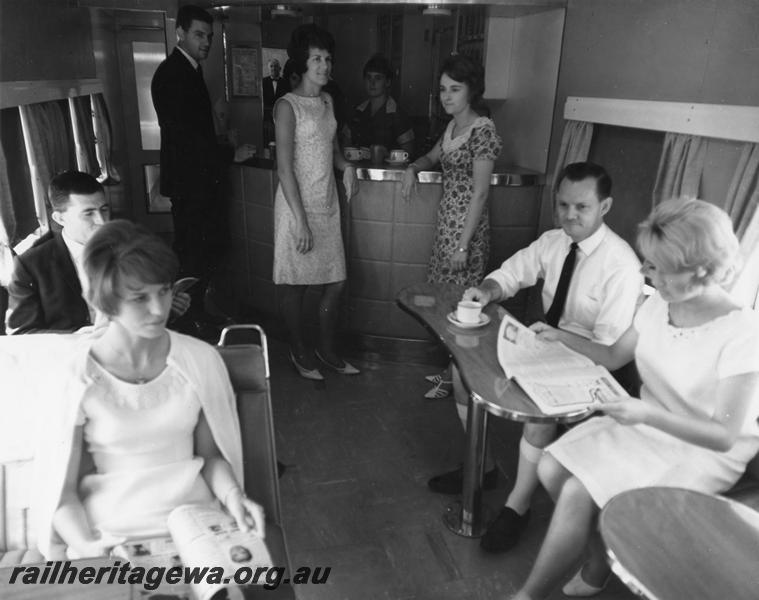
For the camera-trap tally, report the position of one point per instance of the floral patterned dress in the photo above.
(479, 142)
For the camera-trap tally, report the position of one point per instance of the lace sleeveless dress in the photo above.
(315, 128)
(479, 142)
(141, 439)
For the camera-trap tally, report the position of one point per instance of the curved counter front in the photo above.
(388, 241)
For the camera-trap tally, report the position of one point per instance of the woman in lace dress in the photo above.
(144, 418)
(695, 424)
(308, 245)
(466, 152)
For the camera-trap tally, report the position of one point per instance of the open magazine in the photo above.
(203, 539)
(558, 379)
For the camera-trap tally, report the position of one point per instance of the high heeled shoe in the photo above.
(346, 369)
(313, 374)
(577, 587)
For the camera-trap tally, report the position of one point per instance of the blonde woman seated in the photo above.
(695, 425)
(143, 418)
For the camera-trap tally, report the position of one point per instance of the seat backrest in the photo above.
(247, 370)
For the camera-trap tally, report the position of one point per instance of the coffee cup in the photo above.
(398, 155)
(352, 153)
(468, 311)
(365, 153)
(377, 153)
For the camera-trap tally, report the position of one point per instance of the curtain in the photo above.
(101, 125)
(680, 167)
(84, 136)
(741, 205)
(48, 147)
(7, 224)
(575, 145)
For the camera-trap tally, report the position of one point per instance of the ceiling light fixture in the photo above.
(283, 10)
(436, 10)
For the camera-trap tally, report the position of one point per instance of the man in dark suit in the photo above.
(45, 291)
(192, 162)
(273, 86)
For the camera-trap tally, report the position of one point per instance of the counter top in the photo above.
(503, 175)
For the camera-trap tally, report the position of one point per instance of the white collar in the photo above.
(75, 248)
(193, 62)
(590, 243)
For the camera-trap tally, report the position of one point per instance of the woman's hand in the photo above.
(545, 332)
(248, 514)
(304, 240)
(350, 181)
(459, 260)
(408, 183)
(627, 411)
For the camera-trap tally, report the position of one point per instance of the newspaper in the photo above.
(202, 538)
(555, 377)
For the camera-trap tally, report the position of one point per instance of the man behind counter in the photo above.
(379, 119)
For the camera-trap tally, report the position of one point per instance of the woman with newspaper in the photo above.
(142, 419)
(695, 425)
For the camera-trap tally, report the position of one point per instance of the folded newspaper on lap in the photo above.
(558, 379)
(206, 542)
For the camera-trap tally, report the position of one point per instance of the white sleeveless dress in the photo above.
(141, 438)
(315, 127)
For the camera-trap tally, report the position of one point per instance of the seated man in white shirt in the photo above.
(45, 291)
(601, 287)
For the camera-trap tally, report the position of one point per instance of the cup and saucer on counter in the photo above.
(468, 315)
(397, 157)
(352, 153)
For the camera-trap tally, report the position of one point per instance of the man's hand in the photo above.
(244, 152)
(478, 294)
(179, 304)
(545, 332)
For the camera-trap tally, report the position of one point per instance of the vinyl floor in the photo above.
(358, 452)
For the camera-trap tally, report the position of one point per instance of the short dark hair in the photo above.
(465, 70)
(579, 171)
(70, 182)
(121, 249)
(189, 13)
(303, 39)
(379, 64)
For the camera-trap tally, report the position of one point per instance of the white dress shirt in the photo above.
(605, 285)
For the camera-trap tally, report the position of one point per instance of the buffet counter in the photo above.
(388, 240)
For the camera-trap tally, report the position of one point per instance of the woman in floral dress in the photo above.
(466, 152)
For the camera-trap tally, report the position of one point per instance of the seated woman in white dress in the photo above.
(144, 417)
(695, 425)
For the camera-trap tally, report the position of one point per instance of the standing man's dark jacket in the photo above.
(44, 292)
(191, 159)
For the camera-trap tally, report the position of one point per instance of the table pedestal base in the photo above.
(453, 519)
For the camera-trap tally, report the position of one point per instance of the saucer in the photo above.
(396, 162)
(484, 320)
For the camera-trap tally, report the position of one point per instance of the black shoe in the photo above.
(504, 532)
(452, 482)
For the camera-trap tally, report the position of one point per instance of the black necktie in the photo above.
(560, 297)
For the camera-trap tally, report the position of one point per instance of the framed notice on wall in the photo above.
(243, 66)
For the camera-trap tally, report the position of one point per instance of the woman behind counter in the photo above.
(695, 424)
(308, 245)
(467, 153)
(144, 418)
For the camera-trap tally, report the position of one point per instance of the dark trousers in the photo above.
(200, 234)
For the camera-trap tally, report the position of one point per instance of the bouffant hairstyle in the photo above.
(685, 234)
(122, 250)
(70, 182)
(379, 64)
(581, 171)
(189, 13)
(303, 39)
(464, 70)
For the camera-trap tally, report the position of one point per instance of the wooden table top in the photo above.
(475, 352)
(672, 544)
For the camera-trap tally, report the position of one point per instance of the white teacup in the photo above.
(352, 153)
(468, 311)
(398, 155)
